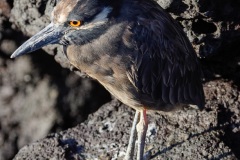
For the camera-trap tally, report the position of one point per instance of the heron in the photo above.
(134, 48)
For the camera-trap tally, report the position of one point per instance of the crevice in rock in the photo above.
(202, 27)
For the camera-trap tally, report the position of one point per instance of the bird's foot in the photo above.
(147, 155)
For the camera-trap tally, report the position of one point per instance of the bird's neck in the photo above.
(99, 54)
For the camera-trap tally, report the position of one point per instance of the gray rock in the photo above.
(35, 97)
(8, 46)
(165, 3)
(186, 134)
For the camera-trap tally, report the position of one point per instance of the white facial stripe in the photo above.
(92, 25)
(99, 19)
(102, 16)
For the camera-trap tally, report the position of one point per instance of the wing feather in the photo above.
(166, 66)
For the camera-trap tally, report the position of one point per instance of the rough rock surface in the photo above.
(186, 134)
(38, 97)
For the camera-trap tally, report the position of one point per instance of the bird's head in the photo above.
(73, 22)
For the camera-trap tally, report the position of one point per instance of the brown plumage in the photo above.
(133, 48)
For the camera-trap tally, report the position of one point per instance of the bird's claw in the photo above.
(147, 155)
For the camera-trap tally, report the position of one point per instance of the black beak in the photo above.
(49, 35)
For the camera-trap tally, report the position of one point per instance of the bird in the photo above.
(134, 48)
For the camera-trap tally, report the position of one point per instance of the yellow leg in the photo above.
(131, 144)
(142, 127)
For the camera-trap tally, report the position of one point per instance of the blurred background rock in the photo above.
(38, 96)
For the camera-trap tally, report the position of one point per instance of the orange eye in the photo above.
(75, 23)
